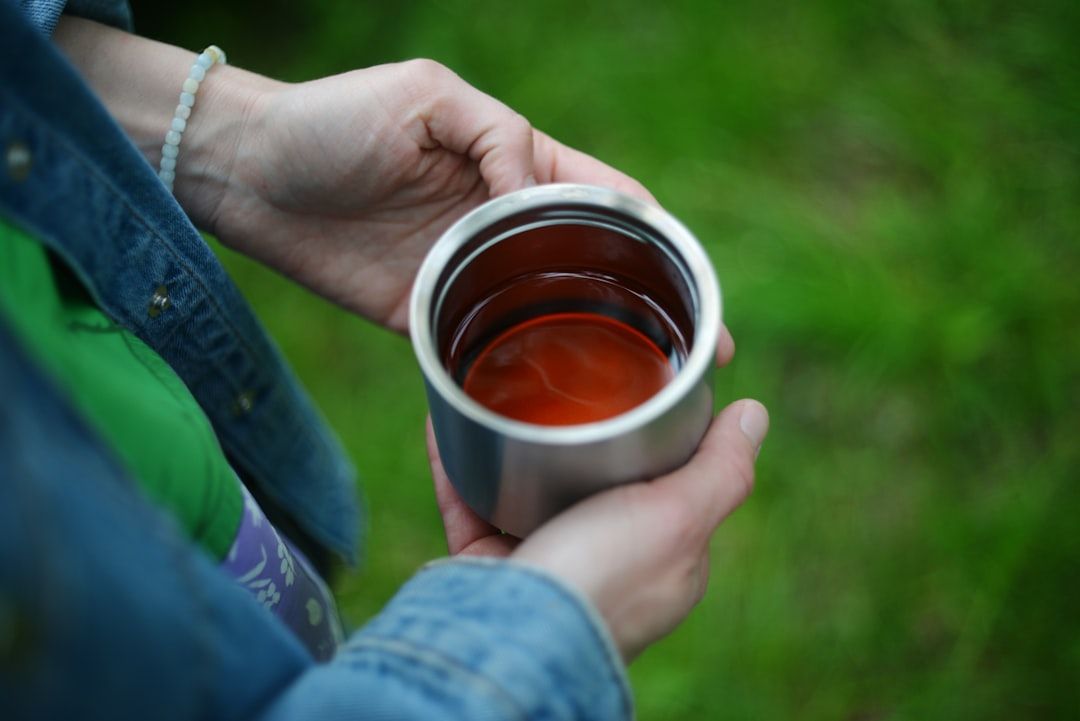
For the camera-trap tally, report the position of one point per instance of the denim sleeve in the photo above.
(45, 14)
(470, 639)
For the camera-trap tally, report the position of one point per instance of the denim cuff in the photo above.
(45, 14)
(509, 635)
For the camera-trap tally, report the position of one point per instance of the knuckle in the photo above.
(428, 71)
(742, 476)
(520, 125)
(700, 579)
(634, 187)
(688, 582)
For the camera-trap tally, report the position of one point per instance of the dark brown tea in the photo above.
(567, 368)
(565, 348)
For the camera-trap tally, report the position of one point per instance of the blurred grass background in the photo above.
(891, 194)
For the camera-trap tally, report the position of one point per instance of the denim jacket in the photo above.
(106, 611)
(88, 199)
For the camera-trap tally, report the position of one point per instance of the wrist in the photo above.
(227, 115)
(139, 81)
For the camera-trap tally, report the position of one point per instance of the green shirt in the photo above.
(134, 400)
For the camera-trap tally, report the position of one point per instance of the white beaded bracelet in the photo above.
(171, 148)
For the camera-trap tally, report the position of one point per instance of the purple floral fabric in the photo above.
(283, 581)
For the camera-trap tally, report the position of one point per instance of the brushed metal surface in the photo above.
(517, 475)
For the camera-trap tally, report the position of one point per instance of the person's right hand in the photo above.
(344, 183)
(639, 552)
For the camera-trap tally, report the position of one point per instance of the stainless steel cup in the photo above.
(580, 248)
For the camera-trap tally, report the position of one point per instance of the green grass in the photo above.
(891, 195)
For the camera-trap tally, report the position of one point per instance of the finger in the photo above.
(499, 546)
(557, 163)
(462, 119)
(721, 473)
(463, 526)
(725, 347)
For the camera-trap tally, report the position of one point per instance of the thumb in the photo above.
(720, 475)
(462, 119)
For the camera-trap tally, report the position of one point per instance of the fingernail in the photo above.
(754, 423)
(530, 181)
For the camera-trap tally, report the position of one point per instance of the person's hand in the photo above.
(639, 552)
(344, 183)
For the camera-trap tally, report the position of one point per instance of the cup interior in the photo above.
(561, 260)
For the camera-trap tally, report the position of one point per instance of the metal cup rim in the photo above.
(698, 362)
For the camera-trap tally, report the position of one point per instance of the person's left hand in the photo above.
(344, 183)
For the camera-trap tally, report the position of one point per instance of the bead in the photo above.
(167, 169)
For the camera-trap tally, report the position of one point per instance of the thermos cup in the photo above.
(516, 273)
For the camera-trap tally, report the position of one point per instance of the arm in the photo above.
(139, 81)
(342, 183)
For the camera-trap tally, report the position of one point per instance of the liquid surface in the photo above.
(567, 368)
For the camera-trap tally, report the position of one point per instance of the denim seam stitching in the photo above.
(188, 271)
(157, 238)
(421, 655)
(593, 619)
(180, 260)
